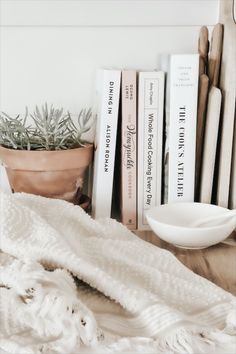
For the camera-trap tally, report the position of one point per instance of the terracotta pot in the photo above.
(55, 174)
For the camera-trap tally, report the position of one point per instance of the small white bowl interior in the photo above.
(174, 223)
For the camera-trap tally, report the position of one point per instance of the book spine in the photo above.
(128, 150)
(150, 138)
(182, 127)
(108, 92)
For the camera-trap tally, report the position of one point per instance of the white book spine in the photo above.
(182, 127)
(150, 132)
(108, 93)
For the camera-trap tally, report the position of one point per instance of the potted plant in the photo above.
(46, 153)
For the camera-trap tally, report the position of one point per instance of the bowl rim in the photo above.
(186, 227)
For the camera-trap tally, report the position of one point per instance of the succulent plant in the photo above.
(49, 129)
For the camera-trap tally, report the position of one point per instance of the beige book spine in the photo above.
(129, 150)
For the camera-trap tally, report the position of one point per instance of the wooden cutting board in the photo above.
(210, 144)
(228, 86)
(201, 120)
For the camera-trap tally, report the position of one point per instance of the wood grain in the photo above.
(210, 145)
(228, 87)
(215, 54)
(201, 119)
(232, 192)
(216, 263)
(203, 48)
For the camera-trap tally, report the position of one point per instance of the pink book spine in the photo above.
(129, 150)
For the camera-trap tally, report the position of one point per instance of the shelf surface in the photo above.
(216, 263)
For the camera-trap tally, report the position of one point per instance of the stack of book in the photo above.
(158, 134)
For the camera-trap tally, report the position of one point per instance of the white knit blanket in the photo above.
(131, 297)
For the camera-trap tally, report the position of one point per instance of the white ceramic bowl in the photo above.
(172, 223)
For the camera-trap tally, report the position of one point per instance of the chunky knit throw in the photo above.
(70, 284)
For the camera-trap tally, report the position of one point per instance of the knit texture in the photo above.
(130, 296)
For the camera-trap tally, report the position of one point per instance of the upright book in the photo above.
(184, 71)
(150, 139)
(107, 107)
(129, 149)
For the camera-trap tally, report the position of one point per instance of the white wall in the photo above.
(50, 49)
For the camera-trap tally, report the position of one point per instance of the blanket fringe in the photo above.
(231, 321)
(191, 340)
(195, 340)
(45, 314)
